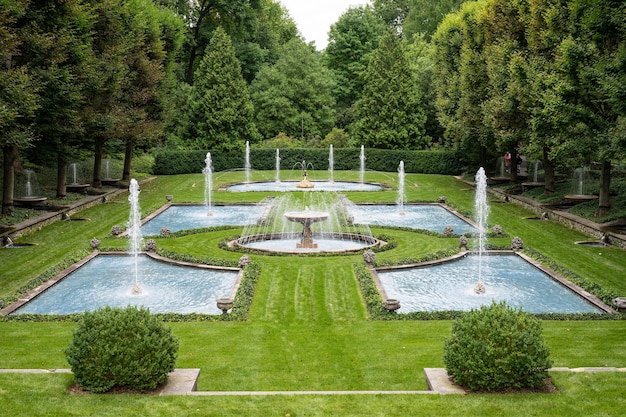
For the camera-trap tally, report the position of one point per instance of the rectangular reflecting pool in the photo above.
(109, 279)
(431, 217)
(509, 278)
(182, 217)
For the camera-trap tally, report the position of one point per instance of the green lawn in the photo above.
(308, 327)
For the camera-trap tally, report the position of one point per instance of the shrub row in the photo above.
(170, 162)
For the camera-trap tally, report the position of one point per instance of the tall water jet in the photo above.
(362, 167)
(134, 230)
(482, 212)
(331, 165)
(401, 197)
(247, 163)
(208, 183)
(277, 176)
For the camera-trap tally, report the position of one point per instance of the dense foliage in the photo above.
(497, 348)
(88, 80)
(124, 348)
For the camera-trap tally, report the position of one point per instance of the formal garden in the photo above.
(505, 119)
(308, 327)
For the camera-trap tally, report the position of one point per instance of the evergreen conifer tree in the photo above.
(219, 113)
(389, 114)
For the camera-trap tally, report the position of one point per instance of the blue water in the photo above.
(450, 286)
(285, 186)
(109, 279)
(429, 217)
(178, 218)
(425, 216)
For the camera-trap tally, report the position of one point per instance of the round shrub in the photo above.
(124, 348)
(497, 348)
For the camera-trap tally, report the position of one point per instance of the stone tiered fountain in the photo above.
(306, 218)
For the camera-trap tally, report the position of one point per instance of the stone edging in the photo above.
(184, 381)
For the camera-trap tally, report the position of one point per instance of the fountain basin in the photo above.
(325, 242)
(107, 279)
(29, 201)
(76, 188)
(434, 217)
(449, 285)
(286, 186)
(182, 217)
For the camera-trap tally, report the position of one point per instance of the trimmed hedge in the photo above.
(497, 348)
(170, 162)
(121, 347)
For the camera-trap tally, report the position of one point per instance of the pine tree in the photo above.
(219, 113)
(389, 116)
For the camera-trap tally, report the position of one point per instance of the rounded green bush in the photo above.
(497, 348)
(126, 348)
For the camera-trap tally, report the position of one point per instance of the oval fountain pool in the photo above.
(450, 286)
(286, 186)
(108, 280)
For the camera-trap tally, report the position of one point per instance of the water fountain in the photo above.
(110, 169)
(247, 166)
(306, 218)
(502, 170)
(76, 177)
(481, 209)
(362, 165)
(208, 183)
(534, 168)
(304, 183)
(277, 176)
(331, 165)
(581, 184)
(401, 196)
(310, 222)
(134, 231)
(27, 189)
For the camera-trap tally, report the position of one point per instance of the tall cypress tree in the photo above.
(389, 115)
(219, 113)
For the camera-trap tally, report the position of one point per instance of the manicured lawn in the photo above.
(308, 327)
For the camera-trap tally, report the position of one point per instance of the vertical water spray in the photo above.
(134, 230)
(208, 183)
(277, 179)
(482, 212)
(29, 184)
(331, 165)
(400, 200)
(247, 163)
(362, 167)
(74, 173)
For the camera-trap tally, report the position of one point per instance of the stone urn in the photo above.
(391, 304)
(620, 303)
(225, 304)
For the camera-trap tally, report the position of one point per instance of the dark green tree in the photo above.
(294, 96)
(388, 115)
(218, 113)
(351, 40)
(18, 97)
(424, 16)
(58, 51)
(203, 17)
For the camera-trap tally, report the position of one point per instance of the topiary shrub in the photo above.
(125, 348)
(497, 348)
